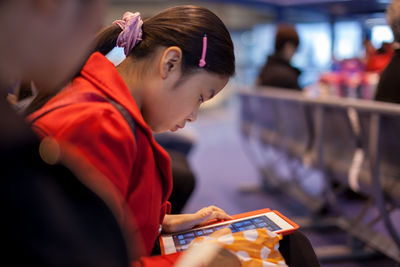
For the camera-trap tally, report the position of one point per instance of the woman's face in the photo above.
(174, 106)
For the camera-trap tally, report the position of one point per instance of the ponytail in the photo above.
(106, 39)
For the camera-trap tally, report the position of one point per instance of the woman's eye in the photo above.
(201, 99)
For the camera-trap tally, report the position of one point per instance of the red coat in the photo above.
(137, 165)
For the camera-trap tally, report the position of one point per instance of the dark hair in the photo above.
(24, 91)
(285, 34)
(182, 26)
(393, 19)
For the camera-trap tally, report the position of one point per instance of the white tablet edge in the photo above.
(270, 214)
(169, 245)
(278, 220)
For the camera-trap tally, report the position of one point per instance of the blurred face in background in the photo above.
(46, 40)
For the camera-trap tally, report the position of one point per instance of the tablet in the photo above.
(272, 220)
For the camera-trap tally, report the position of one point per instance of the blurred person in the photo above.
(52, 215)
(369, 47)
(278, 72)
(387, 89)
(377, 59)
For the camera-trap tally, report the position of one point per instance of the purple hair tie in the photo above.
(202, 61)
(131, 25)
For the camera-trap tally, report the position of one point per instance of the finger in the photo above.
(219, 215)
(201, 217)
(215, 208)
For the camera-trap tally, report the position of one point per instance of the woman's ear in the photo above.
(171, 61)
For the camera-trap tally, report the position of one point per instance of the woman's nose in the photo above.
(193, 116)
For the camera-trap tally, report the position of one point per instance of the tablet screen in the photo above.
(183, 240)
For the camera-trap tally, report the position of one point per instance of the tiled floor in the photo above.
(223, 170)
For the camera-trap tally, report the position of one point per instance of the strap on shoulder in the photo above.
(128, 118)
(85, 97)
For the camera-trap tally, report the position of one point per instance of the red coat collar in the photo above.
(102, 72)
(104, 75)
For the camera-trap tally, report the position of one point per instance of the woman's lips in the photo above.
(176, 128)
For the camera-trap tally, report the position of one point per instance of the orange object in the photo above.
(258, 219)
(254, 247)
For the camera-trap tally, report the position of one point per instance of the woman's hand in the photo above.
(181, 222)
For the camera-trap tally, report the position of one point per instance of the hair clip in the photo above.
(131, 34)
(202, 61)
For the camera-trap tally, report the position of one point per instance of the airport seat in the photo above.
(267, 121)
(293, 130)
(338, 144)
(284, 140)
(246, 115)
(296, 133)
(381, 128)
(334, 133)
(389, 143)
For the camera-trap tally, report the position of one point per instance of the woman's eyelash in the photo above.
(201, 99)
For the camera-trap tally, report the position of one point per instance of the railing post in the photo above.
(373, 153)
